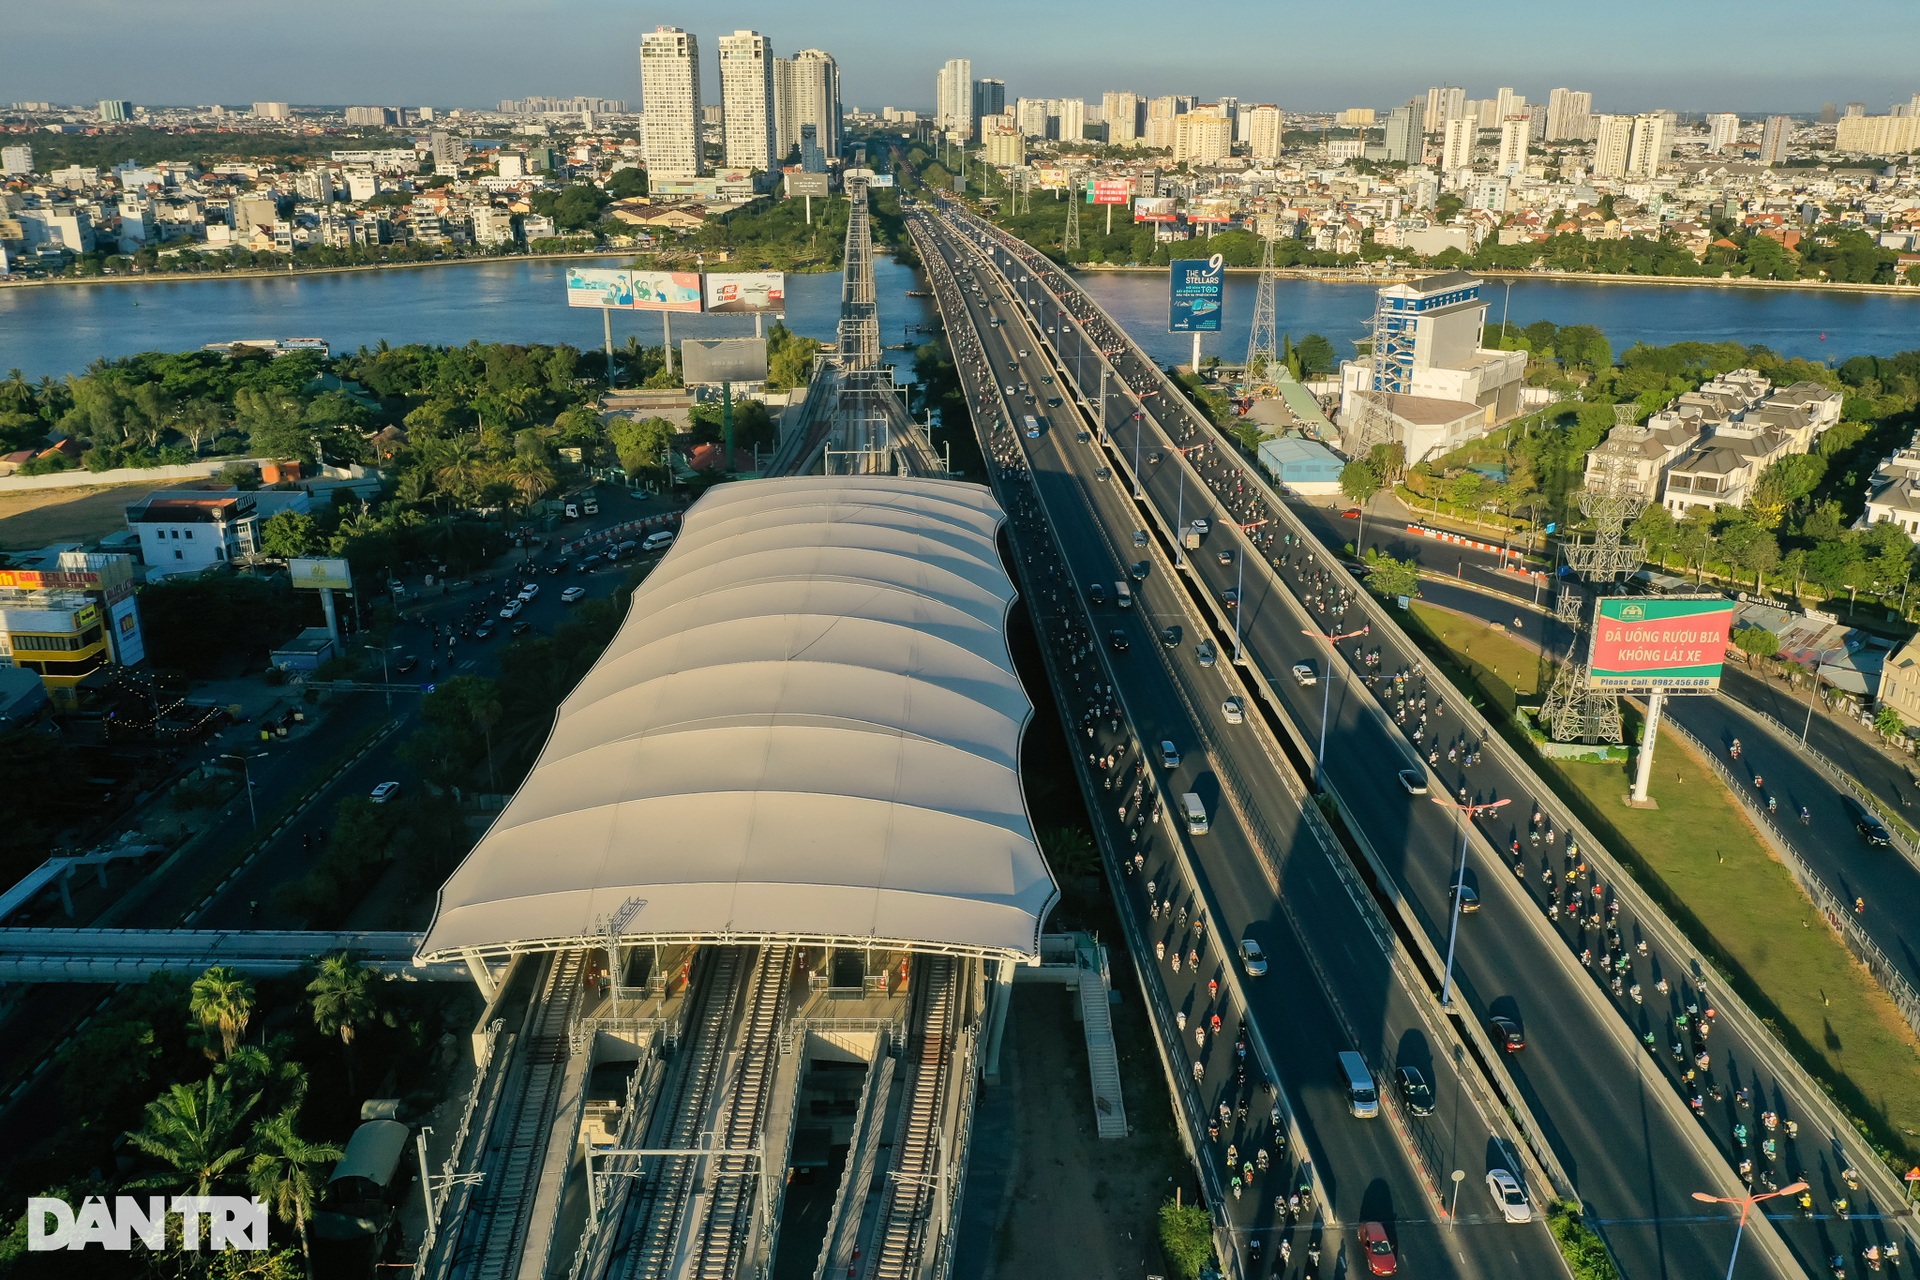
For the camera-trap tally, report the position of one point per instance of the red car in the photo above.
(1351, 513)
(1379, 1250)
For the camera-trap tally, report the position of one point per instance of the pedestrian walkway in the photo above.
(1103, 1065)
(133, 955)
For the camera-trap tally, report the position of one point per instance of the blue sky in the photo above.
(1765, 55)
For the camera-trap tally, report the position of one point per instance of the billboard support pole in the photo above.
(606, 325)
(1643, 768)
(333, 619)
(666, 338)
(1196, 354)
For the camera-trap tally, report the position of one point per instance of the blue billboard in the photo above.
(1197, 287)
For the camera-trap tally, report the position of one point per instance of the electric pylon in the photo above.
(1263, 345)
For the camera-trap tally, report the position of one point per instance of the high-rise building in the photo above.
(1515, 133)
(785, 127)
(953, 99)
(1069, 116)
(1505, 103)
(271, 111)
(1612, 141)
(989, 98)
(1122, 112)
(1829, 114)
(1160, 116)
(448, 152)
(1265, 131)
(16, 162)
(670, 97)
(1648, 147)
(1203, 135)
(1030, 117)
(1723, 127)
(376, 117)
(746, 101)
(1888, 135)
(1456, 151)
(1355, 118)
(1774, 136)
(115, 110)
(1403, 132)
(813, 97)
(1004, 146)
(1444, 102)
(812, 158)
(1568, 114)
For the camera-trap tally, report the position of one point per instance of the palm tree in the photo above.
(343, 1001)
(192, 1129)
(530, 477)
(280, 1172)
(222, 1002)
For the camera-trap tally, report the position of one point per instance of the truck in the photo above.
(1196, 813)
(1190, 537)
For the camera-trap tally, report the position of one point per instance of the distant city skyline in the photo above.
(473, 53)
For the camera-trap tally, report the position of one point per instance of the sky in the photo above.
(1760, 56)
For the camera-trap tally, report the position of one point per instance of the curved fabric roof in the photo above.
(808, 728)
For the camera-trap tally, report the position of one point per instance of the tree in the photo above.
(281, 1172)
(1186, 1237)
(343, 1001)
(1888, 723)
(642, 444)
(627, 183)
(1069, 851)
(1466, 488)
(194, 1130)
(275, 423)
(1316, 354)
(1391, 577)
(1758, 641)
(1359, 481)
(289, 533)
(222, 1002)
(1656, 527)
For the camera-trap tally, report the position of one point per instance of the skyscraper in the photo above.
(1612, 140)
(1403, 132)
(953, 99)
(1505, 103)
(1121, 110)
(1722, 128)
(813, 97)
(989, 98)
(1648, 146)
(115, 110)
(1444, 102)
(1568, 113)
(1030, 117)
(1264, 131)
(1456, 151)
(1515, 132)
(1203, 135)
(1773, 139)
(670, 96)
(746, 100)
(1069, 117)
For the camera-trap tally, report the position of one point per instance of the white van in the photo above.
(658, 541)
(1196, 813)
(1362, 1098)
(1123, 594)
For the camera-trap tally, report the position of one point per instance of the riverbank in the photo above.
(300, 273)
(1326, 276)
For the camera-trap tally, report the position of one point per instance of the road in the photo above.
(1611, 1113)
(1263, 875)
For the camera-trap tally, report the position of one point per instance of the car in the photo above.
(1230, 597)
(520, 628)
(638, 495)
(1013, 366)
(1153, 459)
(1117, 640)
(1028, 398)
(589, 563)
(512, 608)
(1303, 673)
(571, 594)
(1469, 898)
(406, 664)
(385, 792)
(1202, 526)
(1097, 594)
(485, 630)
(529, 591)
(1206, 653)
(1506, 1192)
(1139, 537)
(1414, 780)
(1867, 823)
(1169, 756)
(1506, 1033)
(557, 568)
(1138, 570)
(1378, 1250)
(1053, 402)
(1252, 958)
(1011, 393)
(1224, 555)
(1083, 436)
(1046, 378)
(1033, 430)
(1023, 355)
(1103, 473)
(1416, 1095)
(1233, 710)
(1170, 636)
(1351, 513)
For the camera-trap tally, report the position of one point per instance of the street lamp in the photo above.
(1138, 427)
(1326, 694)
(1453, 1219)
(247, 773)
(1746, 1204)
(1819, 664)
(1239, 591)
(1467, 812)
(386, 672)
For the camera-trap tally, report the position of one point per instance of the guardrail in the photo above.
(1841, 778)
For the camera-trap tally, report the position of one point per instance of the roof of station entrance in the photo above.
(807, 729)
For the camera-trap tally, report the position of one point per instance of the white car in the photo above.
(1252, 959)
(1415, 781)
(1506, 1192)
(1304, 673)
(1234, 710)
(385, 792)
(1169, 756)
(571, 594)
(512, 608)
(529, 591)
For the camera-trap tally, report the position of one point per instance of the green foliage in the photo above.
(195, 1132)
(641, 444)
(289, 533)
(572, 208)
(1889, 723)
(627, 183)
(789, 358)
(1758, 641)
(771, 235)
(1585, 1252)
(1186, 1238)
(1360, 480)
(1390, 577)
(1316, 355)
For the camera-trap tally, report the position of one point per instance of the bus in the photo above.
(1031, 425)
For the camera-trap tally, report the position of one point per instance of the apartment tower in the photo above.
(670, 96)
(746, 101)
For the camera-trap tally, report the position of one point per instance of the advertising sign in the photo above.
(807, 184)
(1212, 211)
(599, 287)
(1155, 209)
(129, 645)
(314, 574)
(880, 180)
(1110, 191)
(1197, 286)
(1051, 178)
(746, 291)
(714, 360)
(1675, 645)
(665, 290)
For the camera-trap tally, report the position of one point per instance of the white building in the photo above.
(16, 162)
(670, 96)
(746, 101)
(1265, 131)
(812, 97)
(1723, 129)
(1069, 118)
(953, 99)
(1005, 147)
(1774, 136)
(1456, 152)
(1202, 136)
(185, 531)
(1121, 110)
(271, 111)
(137, 229)
(1569, 115)
(1515, 133)
(1647, 148)
(1030, 117)
(1612, 143)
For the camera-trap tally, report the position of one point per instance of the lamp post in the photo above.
(1746, 1204)
(246, 772)
(1819, 665)
(1239, 585)
(386, 671)
(1326, 695)
(1453, 1219)
(1138, 427)
(1467, 812)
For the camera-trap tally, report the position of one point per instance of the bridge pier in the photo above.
(483, 978)
(999, 997)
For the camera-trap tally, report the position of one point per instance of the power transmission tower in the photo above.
(1263, 346)
(1071, 240)
(1573, 708)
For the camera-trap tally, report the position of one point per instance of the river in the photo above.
(60, 329)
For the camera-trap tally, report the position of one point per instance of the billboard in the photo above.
(315, 574)
(129, 645)
(1051, 178)
(1155, 209)
(713, 360)
(1110, 191)
(807, 184)
(746, 291)
(665, 290)
(1674, 644)
(880, 180)
(599, 287)
(1193, 298)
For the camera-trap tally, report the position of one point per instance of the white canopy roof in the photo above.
(808, 729)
